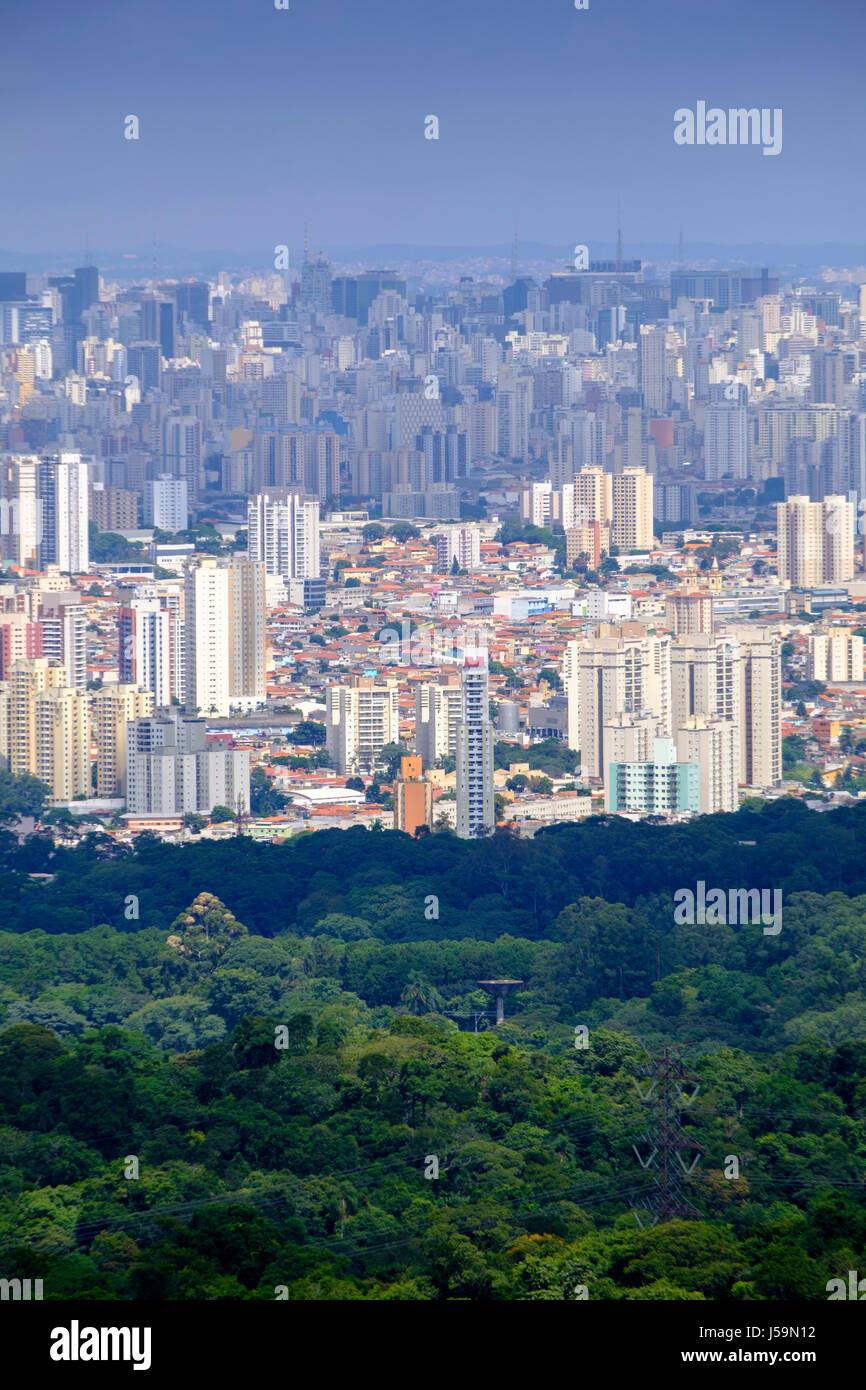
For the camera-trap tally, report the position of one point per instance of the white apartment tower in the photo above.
(361, 718)
(62, 490)
(144, 627)
(283, 530)
(607, 676)
(206, 637)
(438, 710)
(476, 812)
(726, 441)
(460, 543)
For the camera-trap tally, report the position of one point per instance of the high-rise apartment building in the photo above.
(835, 656)
(62, 491)
(113, 508)
(19, 638)
(460, 543)
(21, 510)
(815, 541)
(27, 678)
(438, 709)
(726, 441)
(64, 634)
(62, 741)
(713, 744)
(632, 523)
(166, 503)
(206, 637)
(144, 627)
(706, 681)
(689, 613)
(476, 812)
(760, 705)
(588, 497)
(283, 531)
(361, 718)
(627, 673)
(246, 625)
(171, 768)
(113, 707)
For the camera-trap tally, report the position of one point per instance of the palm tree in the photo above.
(419, 996)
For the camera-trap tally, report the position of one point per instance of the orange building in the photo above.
(413, 798)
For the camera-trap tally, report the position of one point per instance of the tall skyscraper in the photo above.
(85, 290)
(144, 360)
(476, 813)
(651, 368)
(315, 292)
(182, 451)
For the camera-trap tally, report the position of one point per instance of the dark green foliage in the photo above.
(285, 1034)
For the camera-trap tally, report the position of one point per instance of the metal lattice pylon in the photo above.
(665, 1138)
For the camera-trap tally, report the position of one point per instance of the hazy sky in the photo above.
(255, 120)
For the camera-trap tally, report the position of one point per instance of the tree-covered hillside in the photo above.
(241, 1071)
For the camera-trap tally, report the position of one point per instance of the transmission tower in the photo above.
(666, 1140)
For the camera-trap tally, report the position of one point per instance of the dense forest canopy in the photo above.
(227, 1069)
